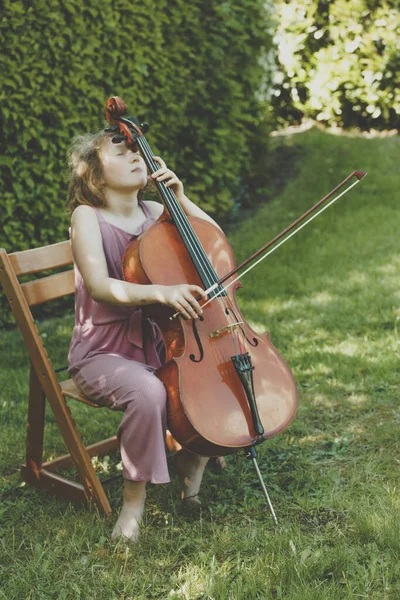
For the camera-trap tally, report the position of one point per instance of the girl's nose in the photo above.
(135, 155)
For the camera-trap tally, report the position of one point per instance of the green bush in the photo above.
(340, 62)
(193, 70)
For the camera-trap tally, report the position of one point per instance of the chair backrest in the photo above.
(22, 296)
(32, 261)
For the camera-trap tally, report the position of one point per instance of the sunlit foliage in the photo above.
(339, 62)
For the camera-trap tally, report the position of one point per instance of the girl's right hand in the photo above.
(183, 299)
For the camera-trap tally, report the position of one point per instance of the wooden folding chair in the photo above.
(43, 380)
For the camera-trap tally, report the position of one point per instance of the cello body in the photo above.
(210, 407)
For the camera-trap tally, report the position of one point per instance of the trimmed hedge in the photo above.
(340, 63)
(193, 70)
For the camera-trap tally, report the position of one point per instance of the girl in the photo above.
(115, 349)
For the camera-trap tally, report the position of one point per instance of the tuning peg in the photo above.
(144, 127)
(117, 139)
(111, 129)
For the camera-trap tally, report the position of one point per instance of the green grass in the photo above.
(330, 298)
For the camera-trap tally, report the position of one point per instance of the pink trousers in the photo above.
(132, 387)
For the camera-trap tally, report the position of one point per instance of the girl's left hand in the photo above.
(170, 179)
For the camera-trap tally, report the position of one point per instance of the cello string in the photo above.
(185, 224)
(175, 214)
(192, 239)
(178, 218)
(181, 218)
(191, 235)
(238, 332)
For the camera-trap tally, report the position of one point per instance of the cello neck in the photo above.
(193, 245)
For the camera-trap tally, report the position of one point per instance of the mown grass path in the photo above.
(331, 300)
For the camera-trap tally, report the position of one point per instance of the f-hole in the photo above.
(254, 343)
(199, 344)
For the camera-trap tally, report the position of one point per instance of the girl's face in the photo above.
(123, 169)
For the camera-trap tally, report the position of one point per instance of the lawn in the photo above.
(330, 298)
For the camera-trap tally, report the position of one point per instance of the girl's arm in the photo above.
(87, 248)
(171, 180)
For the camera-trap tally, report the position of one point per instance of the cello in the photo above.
(227, 386)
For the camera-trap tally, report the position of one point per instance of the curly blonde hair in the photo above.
(86, 182)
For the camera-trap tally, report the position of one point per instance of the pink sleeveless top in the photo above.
(102, 328)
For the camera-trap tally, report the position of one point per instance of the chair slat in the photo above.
(40, 259)
(69, 389)
(49, 288)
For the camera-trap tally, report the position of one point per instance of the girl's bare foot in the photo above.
(190, 468)
(132, 511)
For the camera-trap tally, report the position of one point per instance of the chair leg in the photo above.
(35, 425)
(87, 474)
(33, 473)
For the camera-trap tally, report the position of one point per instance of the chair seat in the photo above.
(70, 390)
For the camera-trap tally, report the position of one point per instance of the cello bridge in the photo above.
(228, 328)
